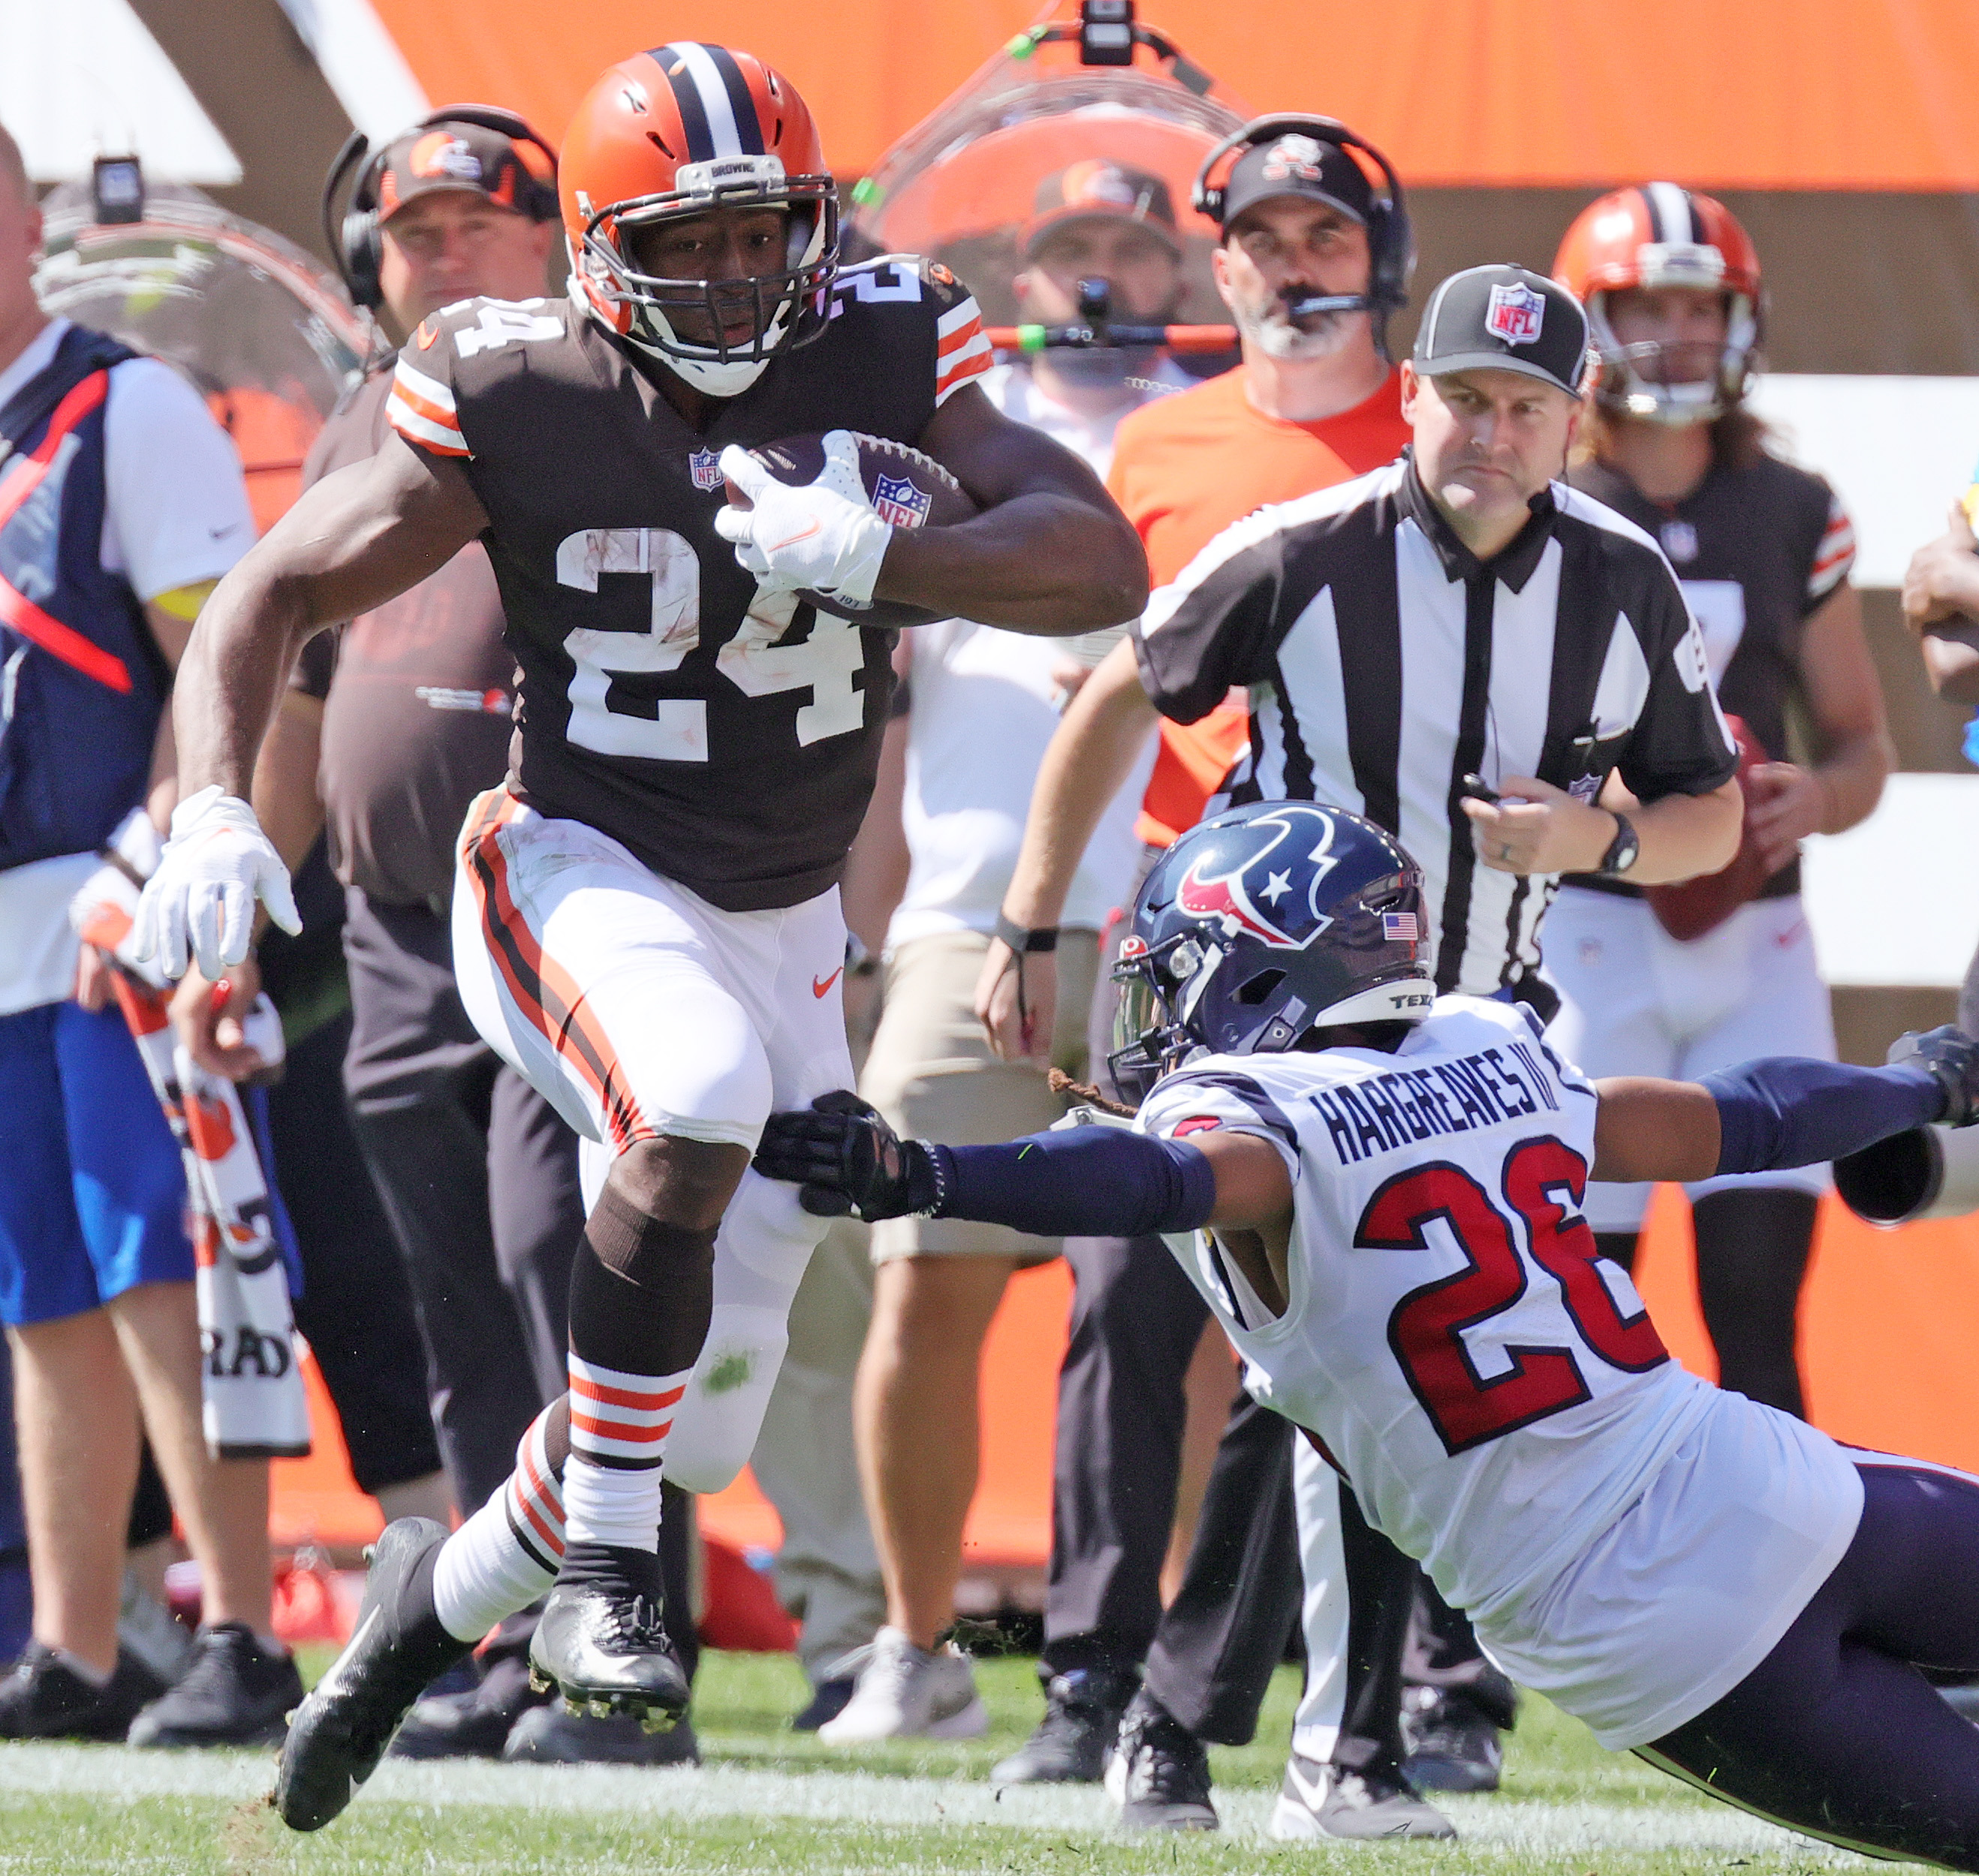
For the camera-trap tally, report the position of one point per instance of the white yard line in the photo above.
(1517, 1827)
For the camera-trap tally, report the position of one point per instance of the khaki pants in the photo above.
(932, 1075)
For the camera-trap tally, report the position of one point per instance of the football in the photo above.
(903, 486)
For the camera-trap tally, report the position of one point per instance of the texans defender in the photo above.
(646, 915)
(1378, 1191)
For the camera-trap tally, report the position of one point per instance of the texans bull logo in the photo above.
(1258, 896)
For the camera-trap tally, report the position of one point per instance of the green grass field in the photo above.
(767, 1800)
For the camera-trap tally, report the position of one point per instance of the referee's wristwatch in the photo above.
(1622, 850)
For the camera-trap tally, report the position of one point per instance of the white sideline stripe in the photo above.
(1518, 1829)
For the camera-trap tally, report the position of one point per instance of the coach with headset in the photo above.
(393, 723)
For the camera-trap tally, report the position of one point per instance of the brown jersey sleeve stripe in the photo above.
(543, 990)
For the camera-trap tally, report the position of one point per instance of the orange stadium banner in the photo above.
(1847, 94)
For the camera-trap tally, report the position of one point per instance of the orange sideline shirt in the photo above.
(1184, 467)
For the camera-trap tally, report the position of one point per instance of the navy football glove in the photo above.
(845, 1158)
(1951, 1058)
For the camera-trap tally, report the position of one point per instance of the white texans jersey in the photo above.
(1495, 1392)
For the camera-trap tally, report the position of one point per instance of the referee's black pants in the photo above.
(478, 1175)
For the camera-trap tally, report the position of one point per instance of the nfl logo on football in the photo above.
(1515, 314)
(704, 466)
(899, 503)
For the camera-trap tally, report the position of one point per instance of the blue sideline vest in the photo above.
(82, 683)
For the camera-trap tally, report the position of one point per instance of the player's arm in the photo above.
(1050, 554)
(1782, 1111)
(1091, 1182)
(1090, 755)
(356, 539)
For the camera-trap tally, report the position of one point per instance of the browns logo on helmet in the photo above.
(676, 133)
(1655, 235)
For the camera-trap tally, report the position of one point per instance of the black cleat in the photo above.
(1082, 1710)
(235, 1692)
(475, 1724)
(602, 1641)
(42, 1698)
(1159, 1773)
(1453, 1744)
(551, 1736)
(337, 1737)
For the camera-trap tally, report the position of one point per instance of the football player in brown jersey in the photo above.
(1680, 981)
(646, 915)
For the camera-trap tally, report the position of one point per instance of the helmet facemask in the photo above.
(1635, 380)
(785, 307)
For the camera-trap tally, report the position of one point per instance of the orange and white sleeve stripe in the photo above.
(422, 410)
(961, 349)
(1834, 556)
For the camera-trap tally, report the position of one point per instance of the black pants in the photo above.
(479, 1179)
(355, 1307)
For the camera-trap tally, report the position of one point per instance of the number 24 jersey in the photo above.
(728, 736)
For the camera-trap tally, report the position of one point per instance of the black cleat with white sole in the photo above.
(602, 1640)
(340, 1732)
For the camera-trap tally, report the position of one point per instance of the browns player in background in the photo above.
(646, 918)
(1679, 981)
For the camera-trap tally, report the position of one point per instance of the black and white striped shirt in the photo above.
(1385, 661)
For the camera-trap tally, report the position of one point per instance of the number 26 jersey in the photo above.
(726, 735)
(1497, 1394)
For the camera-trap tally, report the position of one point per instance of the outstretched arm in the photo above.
(1092, 1182)
(1782, 1110)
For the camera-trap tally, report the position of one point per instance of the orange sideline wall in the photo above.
(1774, 94)
(1889, 1324)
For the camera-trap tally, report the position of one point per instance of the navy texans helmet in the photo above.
(1261, 925)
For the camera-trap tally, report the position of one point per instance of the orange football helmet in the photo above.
(674, 133)
(1658, 234)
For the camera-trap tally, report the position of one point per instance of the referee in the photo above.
(1460, 612)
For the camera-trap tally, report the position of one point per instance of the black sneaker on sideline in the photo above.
(549, 1736)
(828, 1700)
(337, 1739)
(602, 1638)
(43, 1698)
(1159, 1773)
(1454, 1745)
(235, 1692)
(1070, 1745)
(473, 1724)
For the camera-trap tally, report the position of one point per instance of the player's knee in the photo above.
(676, 1182)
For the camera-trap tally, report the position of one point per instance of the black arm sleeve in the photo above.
(1079, 1182)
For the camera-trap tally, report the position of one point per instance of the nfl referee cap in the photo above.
(1504, 319)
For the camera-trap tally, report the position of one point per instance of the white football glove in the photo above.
(217, 863)
(822, 537)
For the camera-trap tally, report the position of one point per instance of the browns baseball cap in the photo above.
(446, 153)
(1504, 319)
(1098, 189)
(1294, 164)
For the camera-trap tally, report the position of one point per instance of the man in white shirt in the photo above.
(984, 704)
(121, 503)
